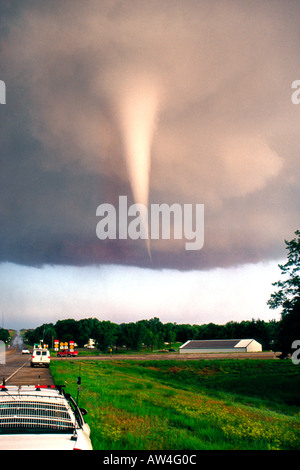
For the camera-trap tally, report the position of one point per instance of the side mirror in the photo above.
(83, 411)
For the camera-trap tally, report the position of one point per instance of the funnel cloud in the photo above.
(138, 108)
(138, 116)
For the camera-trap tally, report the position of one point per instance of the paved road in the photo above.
(17, 370)
(170, 356)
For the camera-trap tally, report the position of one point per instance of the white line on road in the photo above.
(6, 380)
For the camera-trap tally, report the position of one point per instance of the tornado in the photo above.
(139, 105)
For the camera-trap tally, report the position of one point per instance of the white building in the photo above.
(220, 345)
(91, 344)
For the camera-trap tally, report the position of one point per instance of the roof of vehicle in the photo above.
(32, 407)
(41, 417)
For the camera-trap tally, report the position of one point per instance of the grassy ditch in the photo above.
(187, 405)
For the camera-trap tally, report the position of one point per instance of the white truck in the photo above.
(41, 417)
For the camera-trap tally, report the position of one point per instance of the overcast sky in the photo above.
(166, 101)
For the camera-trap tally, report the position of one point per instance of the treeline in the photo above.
(4, 335)
(150, 333)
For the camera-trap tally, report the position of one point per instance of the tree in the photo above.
(289, 331)
(49, 334)
(288, 294)
(132, 334)
(4, 335)
(106, 335)
(184, 332)
(169, 332)
(45, 333)
(66, 330)
(288, 297)
(87, 328)
(211, 331)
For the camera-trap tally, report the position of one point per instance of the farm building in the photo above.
(220, 345)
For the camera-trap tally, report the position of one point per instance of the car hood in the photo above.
(36, 442)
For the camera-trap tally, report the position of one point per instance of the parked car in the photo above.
(40, 357)
(67, 353)
(41, 418)
(25, 351)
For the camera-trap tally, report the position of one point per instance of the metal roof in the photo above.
(215, 344)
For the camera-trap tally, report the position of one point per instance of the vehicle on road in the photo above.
(40, 357)
(41, 417)
(25, 351)
(67, 353)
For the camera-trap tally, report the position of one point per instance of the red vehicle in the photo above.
(67, 352)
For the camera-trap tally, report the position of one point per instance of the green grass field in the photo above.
(187, 405)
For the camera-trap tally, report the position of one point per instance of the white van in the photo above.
(40, 357)
(41, 417)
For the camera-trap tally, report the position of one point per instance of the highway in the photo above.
(17, 370)
(173, 356)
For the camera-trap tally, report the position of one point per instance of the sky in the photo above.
(172, 101)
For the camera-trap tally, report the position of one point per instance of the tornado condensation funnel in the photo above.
(138, 112)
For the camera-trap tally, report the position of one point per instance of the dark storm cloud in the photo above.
(226, 131)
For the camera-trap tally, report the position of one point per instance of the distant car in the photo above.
(41, 417)
(25, 351)
(67, 353)
(40, 357)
